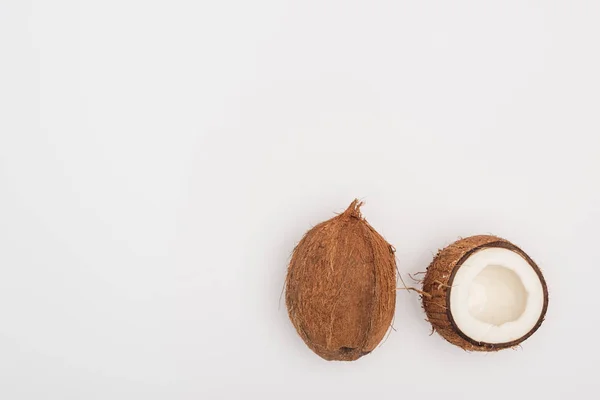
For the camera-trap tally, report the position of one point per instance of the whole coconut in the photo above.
(341, 287)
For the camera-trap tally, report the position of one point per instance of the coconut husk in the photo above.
(437, 285)
(340, 287)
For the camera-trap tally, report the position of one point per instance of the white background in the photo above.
(160, 159)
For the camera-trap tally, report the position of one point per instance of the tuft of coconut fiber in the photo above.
(341, 287)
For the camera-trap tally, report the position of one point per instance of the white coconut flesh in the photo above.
(496, 296)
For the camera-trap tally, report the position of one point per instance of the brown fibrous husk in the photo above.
(340, 287)
(437, 285)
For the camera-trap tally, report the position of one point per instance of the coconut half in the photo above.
(484, 293)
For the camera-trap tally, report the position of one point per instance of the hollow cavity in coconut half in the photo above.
(483, 293)
(341, 287)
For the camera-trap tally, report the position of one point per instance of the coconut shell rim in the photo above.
(497, 346)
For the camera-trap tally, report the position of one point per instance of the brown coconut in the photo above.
(340, 287)
(438, 283)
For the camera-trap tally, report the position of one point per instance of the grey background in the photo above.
(160, 159)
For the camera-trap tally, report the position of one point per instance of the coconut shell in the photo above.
(437, 285)
(341, 287)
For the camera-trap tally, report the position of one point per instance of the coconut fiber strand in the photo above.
(341, 287)
(438, 282)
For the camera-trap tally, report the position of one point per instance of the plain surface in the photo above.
(160, 159)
